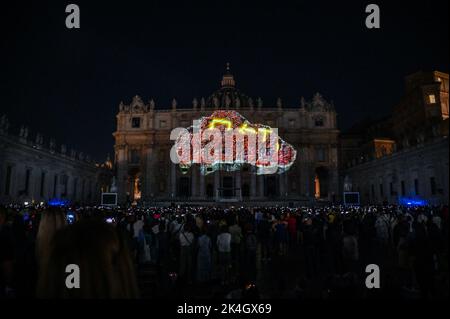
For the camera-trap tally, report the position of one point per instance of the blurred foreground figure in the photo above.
(51, 221)
(106, 269)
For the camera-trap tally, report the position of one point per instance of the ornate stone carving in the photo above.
(215, 101)
(63, 149)
(250, 103)
(227, 101)
(23, 132)
(174, 104)
(4, 124)
(279, 103)
(319, 104)
(137, 105)
(52, 144)
(259, 102)
(302, 103)
(237, 102)
(202, 103)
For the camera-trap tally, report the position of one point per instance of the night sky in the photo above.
(68, 83)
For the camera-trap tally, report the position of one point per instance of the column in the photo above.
(202, 185)
(173, 181)
(194, 181)
(149, 176)
(307, 181)
(253, 185)
(216, 184)
(333, 188)
(238, 185)
(260, 186)
(286, 184)
(281, 181)
(121, 175)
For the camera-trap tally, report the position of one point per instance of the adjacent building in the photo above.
(32, 171)
(403, 158)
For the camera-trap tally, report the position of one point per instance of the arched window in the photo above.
(134, 157)
(319, 122)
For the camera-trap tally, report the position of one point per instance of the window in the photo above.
(8, 179)
(320, 154)
(433, 185)
(431, 99)
(162, 124)
(41, 192)
(391, 189)
(318, 122)
(402, 185)
(291, 123)
(416, 186)
(134, 157)
(136, 122)
(372, 188)
(381, 190)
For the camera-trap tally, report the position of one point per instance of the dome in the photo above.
(228, 96)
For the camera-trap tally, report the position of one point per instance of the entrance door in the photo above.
(270, 186)
(185, 190)
(227, 185)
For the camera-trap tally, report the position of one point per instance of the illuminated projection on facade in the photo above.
(226, 140)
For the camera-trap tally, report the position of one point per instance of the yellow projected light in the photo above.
(225, 122)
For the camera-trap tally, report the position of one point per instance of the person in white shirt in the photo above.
(437, 220)
(224, 248)
(236, 236)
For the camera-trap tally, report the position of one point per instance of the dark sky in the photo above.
(68, 83)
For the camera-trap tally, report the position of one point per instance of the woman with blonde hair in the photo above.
(101, 254)
(51, 221)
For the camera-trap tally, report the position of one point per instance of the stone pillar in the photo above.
(194, 181)
(202, 194)
(307, 180)
(260, 186)
(121, 174)
(282, 189)
(286, 184)
(173, 181)
(334, 185)
(238, 185)
(216, 184)
(253, 185)
(311, 179)
(149, 176)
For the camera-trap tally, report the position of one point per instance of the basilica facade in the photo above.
(146, 174)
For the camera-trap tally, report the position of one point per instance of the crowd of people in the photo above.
(234, 252)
